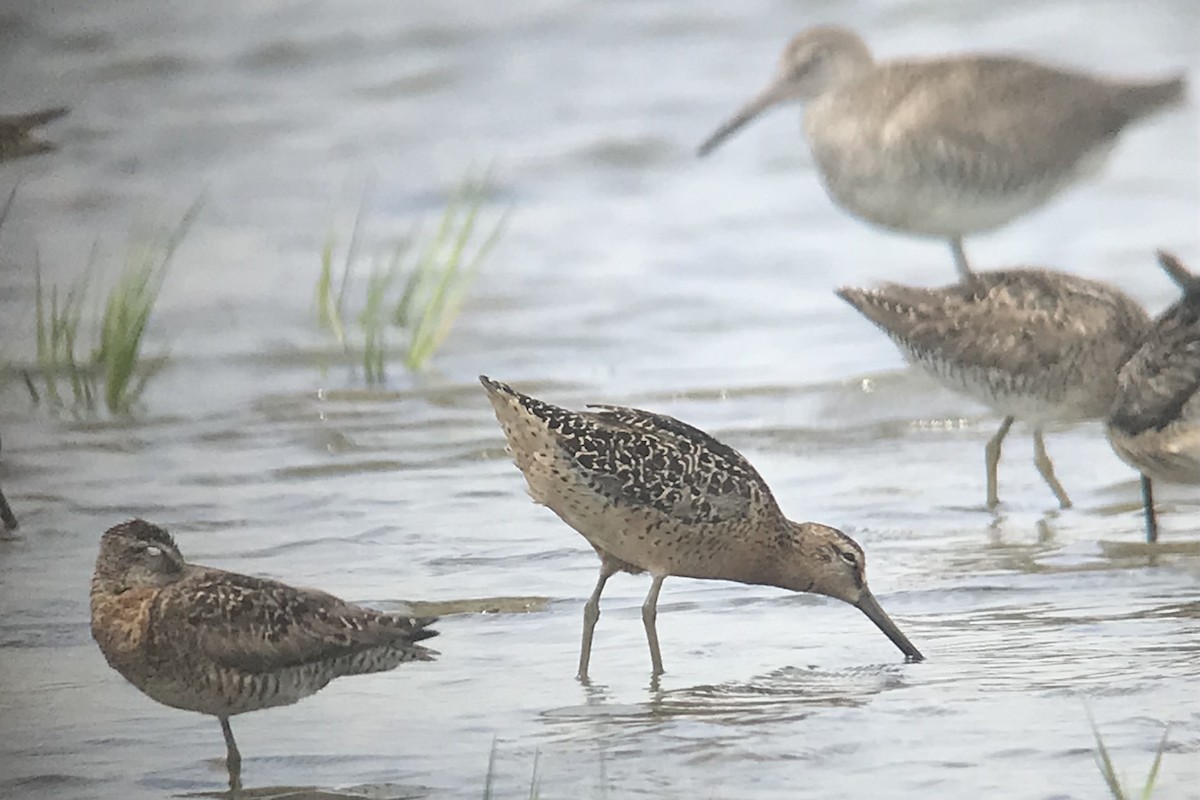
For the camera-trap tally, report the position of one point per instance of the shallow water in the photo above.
(631, 273)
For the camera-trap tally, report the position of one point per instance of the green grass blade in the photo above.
(1104, 762)
(446, 271)
(374, 323)
(127, 313)
(1152, 778)
(329, 314)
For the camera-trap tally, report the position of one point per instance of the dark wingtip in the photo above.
(1179, 86)
(420, 629)
(1141, 99)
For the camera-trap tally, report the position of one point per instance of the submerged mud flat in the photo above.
(630, 274)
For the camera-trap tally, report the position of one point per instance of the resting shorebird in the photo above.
(220, 643)
(1155, 420)
(653, 494)
(951, 146)
(1034, 345)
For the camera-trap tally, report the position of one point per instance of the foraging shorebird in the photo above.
(951, 146)
(220, 643)
(1034, 345)
(653, 494)
(16, 133)
(7, 517)
(1155, 421)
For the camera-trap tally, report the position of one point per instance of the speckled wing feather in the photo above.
(1161, 381)
(656, 461)
(1064, 115)
(256, 625)
(1005, 320)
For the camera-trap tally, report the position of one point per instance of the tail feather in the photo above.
(420, 630)
(496, 387)
(884, 308)
(1143, 99)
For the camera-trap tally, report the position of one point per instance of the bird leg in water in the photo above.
(1151, 517)
(1047, 469)
(992, 460)
(649, 615)
(6, 513)
(233, 758)
(591, 613)
(960, 259)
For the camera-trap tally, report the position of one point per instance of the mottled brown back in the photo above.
(1011, 321)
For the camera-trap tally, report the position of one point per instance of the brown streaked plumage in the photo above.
(16, 133)
(220, 643)
(1154, 424)
(1035, 345)
(950, 146)
(6, 514)
(653, 494)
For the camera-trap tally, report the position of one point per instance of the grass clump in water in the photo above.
(115, 371)
(1109, 772)
(418, 288)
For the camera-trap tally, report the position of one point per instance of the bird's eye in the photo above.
(153, 551)
(849, 557)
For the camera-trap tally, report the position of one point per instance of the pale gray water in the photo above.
(631, 273)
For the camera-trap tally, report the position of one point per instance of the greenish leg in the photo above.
(992, 461)
(591, 613)
(649, 615)
(233, 759)
(1047, 469)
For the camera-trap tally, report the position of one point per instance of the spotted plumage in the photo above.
(653, 494)
(1034, 345)
(220, 643)
(17, 133)
(950, 146)
(1154, 424)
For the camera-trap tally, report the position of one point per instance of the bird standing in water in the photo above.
(653, 494)
(951, 146)
(1035, 345)
(220, 643)
(1155, 421)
